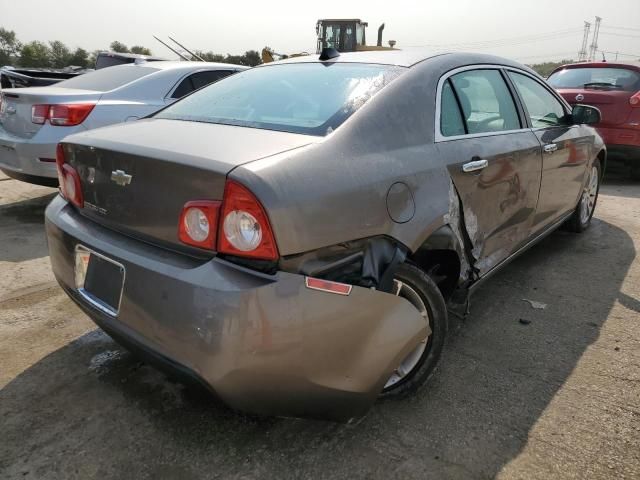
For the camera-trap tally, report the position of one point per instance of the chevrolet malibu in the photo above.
(292, 236)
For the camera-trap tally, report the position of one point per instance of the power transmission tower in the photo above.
(594, 42)
(582, 54)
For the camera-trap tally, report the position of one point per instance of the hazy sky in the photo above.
(530, 31)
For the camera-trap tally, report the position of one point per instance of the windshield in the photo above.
(308, 98)
(107, 79)
(597, 78)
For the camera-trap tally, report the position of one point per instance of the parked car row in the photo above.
(292, 236)
(34, 120)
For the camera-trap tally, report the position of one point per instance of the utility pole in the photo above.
(582, 54)
(594, 42)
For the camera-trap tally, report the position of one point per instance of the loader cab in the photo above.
(345, 35)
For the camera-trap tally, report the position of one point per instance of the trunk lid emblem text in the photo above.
(121, 177)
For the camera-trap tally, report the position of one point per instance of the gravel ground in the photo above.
(522, 392)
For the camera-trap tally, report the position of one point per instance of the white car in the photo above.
(33, 120)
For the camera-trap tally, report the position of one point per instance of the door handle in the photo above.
(550, 148)
(474, 165)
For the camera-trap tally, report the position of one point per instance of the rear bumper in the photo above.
(620, 137)
(265, 344)
(21, 157)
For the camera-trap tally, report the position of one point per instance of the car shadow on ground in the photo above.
(91, 410)
(22, 225)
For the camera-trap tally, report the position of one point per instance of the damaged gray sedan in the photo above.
(292, 236)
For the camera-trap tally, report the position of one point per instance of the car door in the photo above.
(565, 150)
(493, 159)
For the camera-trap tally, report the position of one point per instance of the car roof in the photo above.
(180, 65)
(405, 58)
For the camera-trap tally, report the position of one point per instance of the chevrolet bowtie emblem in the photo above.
(121, 177)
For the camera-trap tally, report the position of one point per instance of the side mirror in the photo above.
(585, 114)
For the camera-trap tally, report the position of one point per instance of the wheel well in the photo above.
(602, 156)
(442, 265)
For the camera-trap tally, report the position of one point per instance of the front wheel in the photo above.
(411, 283)
(581, 218)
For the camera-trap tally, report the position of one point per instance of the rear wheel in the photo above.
(581, 218)
(420, 290)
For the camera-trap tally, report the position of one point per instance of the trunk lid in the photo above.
(16, 103)
(137, 177)
(613, 104)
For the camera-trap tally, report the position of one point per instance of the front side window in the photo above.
(543, 108)
(487, 105)
(307, 98)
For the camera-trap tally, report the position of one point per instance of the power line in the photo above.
(506, 41)
(619, 34)
(624, 28)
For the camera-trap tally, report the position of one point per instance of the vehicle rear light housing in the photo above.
(63, 115)
(39, 114)
(237, 226)
(634, 101)
(68, 178)
(244, 228)
(199, 224)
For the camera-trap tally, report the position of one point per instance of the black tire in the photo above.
(634, 171)
(579, 222)
(430, 295)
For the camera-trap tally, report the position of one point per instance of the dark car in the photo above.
(614, 88)
(290, 236)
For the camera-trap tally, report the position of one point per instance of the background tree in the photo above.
(80, 58)
(210, 56)
(9, 47)
(59, 54)
(251, 58)
(34, 54)
(118, 47)
(140, 50)
(545, 69)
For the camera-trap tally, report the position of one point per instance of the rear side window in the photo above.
(486, 102)
(107, 78)
(604, 78)
(451, 122)
(543, 108)
(199, 80)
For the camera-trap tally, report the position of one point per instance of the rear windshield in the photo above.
(107, 78)
(597, 78)
(308, 98)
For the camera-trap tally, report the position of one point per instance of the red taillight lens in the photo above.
(244, 226)
(69, 180)
(69, 115)
(39, 114)
(635, 100)
(199, 223)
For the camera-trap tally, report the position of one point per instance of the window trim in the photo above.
(439, 137)
(565, 105)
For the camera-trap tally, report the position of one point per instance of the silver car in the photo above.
(34, 120)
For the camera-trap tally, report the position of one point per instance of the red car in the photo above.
(614, 88)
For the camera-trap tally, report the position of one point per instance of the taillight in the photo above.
(69, 115)
(69, 180)
(61, 115)
(244, 226)
(635, 100)
(236, 226)
(199, 224)
(39, 114)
